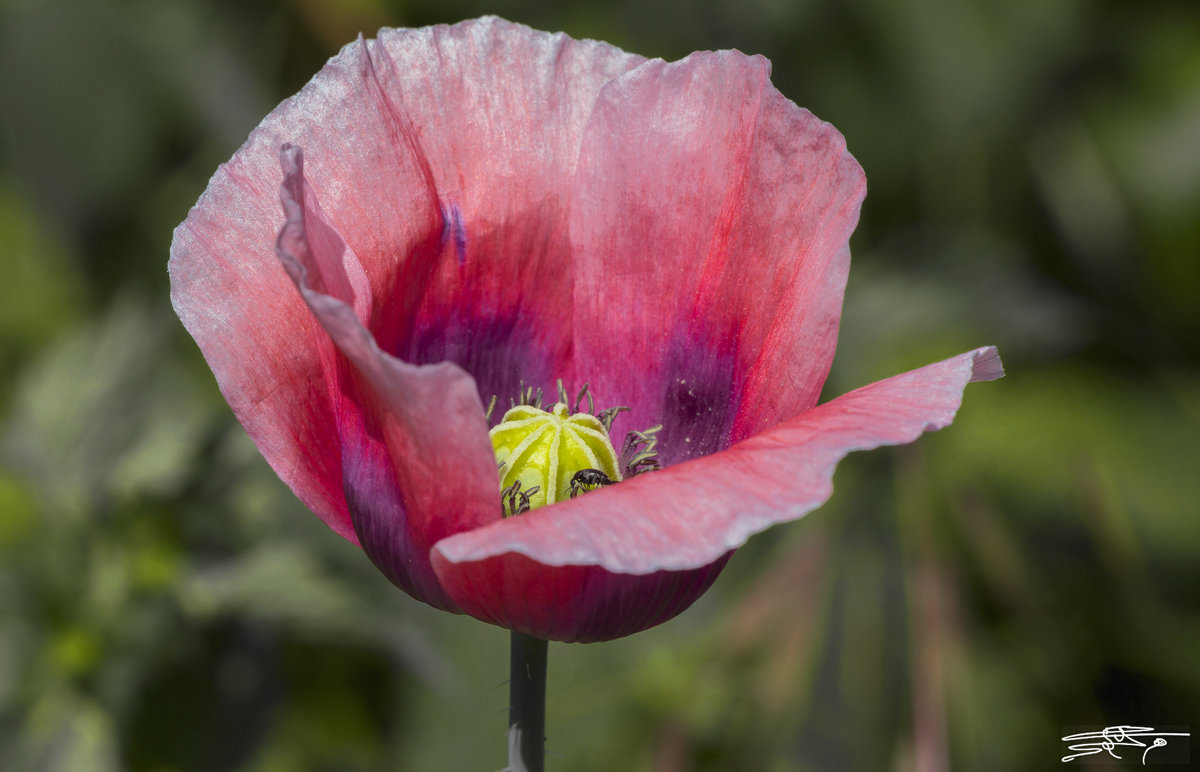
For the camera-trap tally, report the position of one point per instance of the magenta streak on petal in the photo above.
(454, 229)
(688, 515)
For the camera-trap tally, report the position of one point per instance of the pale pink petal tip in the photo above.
(987, 365)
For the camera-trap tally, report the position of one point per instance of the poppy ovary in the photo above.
(547, 455)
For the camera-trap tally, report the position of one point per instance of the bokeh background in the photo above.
(167, 605)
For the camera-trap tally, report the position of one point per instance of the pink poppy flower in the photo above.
(471, 208)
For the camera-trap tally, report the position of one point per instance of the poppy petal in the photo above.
(710, 223)
(418, 464)
(231, 294)
(255, 332)
(573, 603)
(688, 516)
(500, 111)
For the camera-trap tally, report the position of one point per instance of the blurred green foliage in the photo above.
(166, 604)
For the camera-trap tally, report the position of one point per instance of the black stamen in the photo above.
(528, 397)
(579, 400)
(514, 501)
(638, 454)
(608, 416)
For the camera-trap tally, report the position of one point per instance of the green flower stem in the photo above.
(527, 704)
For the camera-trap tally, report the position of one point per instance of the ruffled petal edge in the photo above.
(689, 515)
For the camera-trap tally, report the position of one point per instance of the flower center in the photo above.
(544, 450)
(546, 456)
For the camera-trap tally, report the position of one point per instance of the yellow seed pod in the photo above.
(545, 449)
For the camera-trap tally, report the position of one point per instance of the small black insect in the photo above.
(588, 479)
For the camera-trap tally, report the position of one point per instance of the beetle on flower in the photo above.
(473, 210)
